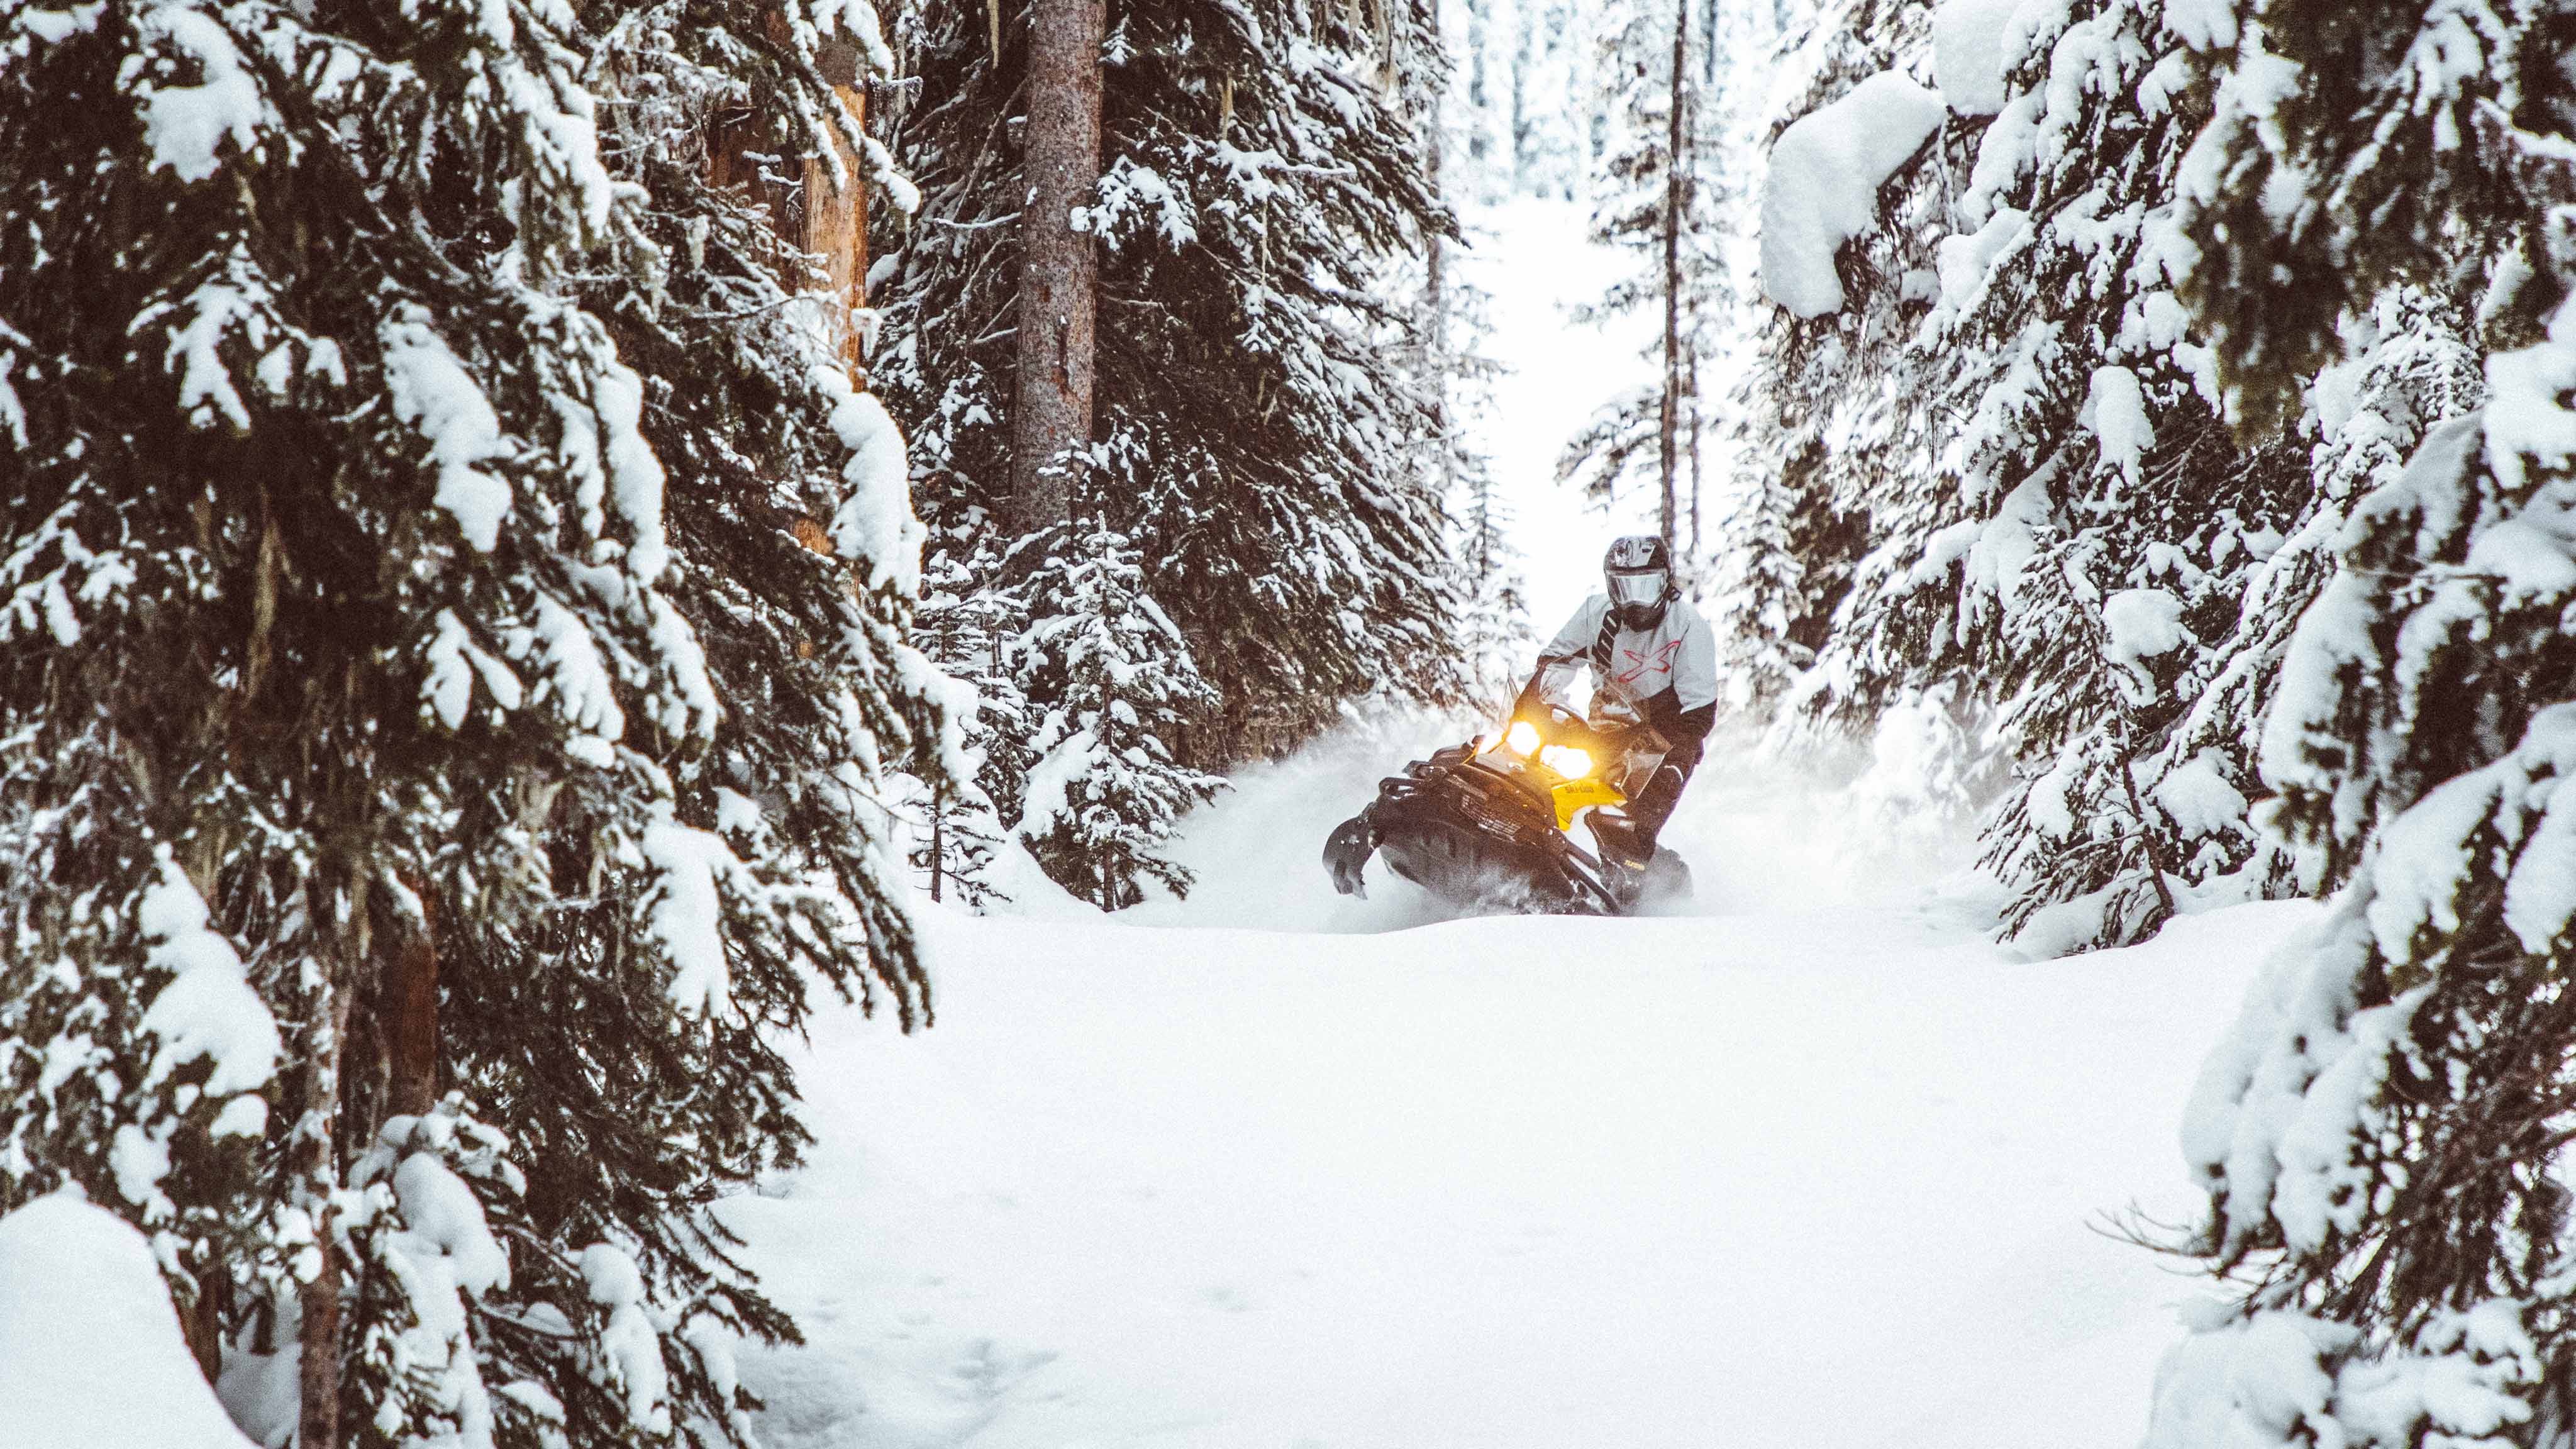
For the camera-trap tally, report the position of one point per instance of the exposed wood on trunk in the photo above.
(811, 211)
(836, 216)
(1059, 267)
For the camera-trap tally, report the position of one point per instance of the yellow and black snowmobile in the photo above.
(1487, 825)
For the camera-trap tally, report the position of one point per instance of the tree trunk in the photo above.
(938, 845)
(1435, 297)
(1691, 391)
(1059, 268)
(411, 1008)
(201, 1320)
(1676, 164)
(816, 216)
(319, 1167)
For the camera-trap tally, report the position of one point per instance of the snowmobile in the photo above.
(1486, 825)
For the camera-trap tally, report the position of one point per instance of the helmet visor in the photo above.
(1635, 588)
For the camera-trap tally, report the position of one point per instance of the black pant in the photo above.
(1654, 804)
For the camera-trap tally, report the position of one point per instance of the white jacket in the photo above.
(1679, 654)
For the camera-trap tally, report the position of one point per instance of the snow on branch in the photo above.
(434, 394)
(90, 1348)
(1822, 187)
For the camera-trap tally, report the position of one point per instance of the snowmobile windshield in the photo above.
(1638, 589)
(1556, 685)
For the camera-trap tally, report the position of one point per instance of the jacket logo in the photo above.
(1661, 663)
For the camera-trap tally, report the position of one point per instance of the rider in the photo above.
(1651, 651)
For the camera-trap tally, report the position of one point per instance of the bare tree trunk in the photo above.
(1435, 297)
(1676, 163)
(201, 1321)
(1696, 431)
(411, 1001)
(1059, 267)
(938, 845)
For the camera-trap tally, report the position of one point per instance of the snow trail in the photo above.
(1820, 1178)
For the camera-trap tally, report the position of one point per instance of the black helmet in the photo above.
(1637, 573)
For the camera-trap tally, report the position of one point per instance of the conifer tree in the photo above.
(1832, 445)
(1451, 369)
(1106, 789)
(2381, 1133)
(1256, 439)
(2050, 511)
(958, 827)
(434, 763)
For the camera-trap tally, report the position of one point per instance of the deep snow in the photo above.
(1816, 1177)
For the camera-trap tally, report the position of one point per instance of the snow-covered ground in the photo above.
(1814, 1165)
(1819, 1177)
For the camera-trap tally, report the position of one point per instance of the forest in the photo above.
(619, 619)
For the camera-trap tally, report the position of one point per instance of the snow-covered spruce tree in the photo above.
(1259, 441)
(1450, 368)
(1827, 424)
(1493, 627)
(1106, 790)
(1557, 108)
(412, 684)
(2079, 534)
(1494, 636)
(958, 826)
(2165, 558)
(2383, 1132)
(1477, 158)
(2107, 525)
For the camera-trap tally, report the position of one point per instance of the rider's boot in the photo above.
(1625, 841)
(1627, 838)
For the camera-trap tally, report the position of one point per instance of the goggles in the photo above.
(1643, 586)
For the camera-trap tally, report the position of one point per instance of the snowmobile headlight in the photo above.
(1566, 760)
(1522, 737)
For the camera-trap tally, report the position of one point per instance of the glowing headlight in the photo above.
(1522, 737)
(1566, 760)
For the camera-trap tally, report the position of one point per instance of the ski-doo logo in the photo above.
(1661, 663)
